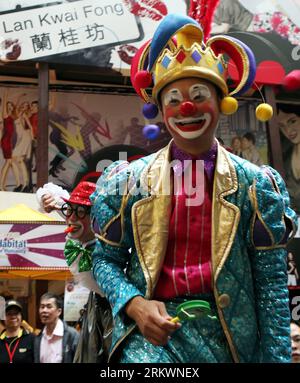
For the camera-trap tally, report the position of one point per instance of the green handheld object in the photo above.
(192, 310)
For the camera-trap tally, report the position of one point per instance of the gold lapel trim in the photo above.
(150, 218)
(225, 215)
(153, 176)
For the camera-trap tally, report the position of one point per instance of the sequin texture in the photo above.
(254, 324)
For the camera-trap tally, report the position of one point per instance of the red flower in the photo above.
(283, 30)
(276, 20)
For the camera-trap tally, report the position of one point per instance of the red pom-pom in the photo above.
(143, 79)
(291, 81)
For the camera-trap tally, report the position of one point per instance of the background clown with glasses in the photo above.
(156, 251)
(80, 243)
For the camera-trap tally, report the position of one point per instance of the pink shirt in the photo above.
(187, 266)
(52, 345)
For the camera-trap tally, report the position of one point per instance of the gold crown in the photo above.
(187, 60)
(177, 51)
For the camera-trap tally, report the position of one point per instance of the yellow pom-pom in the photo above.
(264, 112)
(229, 105)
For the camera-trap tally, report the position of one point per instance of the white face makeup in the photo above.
(193, 126)
(199, 92)
(173, 97)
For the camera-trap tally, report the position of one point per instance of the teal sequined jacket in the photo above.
(251, 220)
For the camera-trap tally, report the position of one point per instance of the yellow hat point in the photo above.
(229, 105)
(264, 112)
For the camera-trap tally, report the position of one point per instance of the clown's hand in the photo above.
(152, 320)
(48, 203)
(51, 197)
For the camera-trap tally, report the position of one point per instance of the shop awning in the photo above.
(60, 275)
(22, 213)
(31, 244)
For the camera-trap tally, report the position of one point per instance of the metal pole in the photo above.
(43, 127)
(274, 134)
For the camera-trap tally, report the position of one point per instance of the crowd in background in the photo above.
(57, 342)
(20, 343)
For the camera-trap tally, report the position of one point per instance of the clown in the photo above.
(75, 208)
(78, 249)
(156, 249)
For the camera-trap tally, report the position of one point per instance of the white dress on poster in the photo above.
(24, 140)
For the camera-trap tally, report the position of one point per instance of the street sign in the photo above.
(45, 31)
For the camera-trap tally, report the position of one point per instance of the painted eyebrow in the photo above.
(173, 91)
(199, 87)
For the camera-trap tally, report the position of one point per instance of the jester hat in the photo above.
(177, 50)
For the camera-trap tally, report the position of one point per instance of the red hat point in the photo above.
(81, 194)
(291, 81)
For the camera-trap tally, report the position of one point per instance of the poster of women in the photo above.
(288, 118)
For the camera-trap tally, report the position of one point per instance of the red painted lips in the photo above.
(14, 53)
(12, 48)
(154, 9)
(191, 127)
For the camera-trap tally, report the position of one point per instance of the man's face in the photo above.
(49, 312)
(245, 143)
(295, 338)
(236, 144)
(13, 318)
(190, 108)
(79, 219)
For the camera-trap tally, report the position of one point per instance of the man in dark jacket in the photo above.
(16, 344)
(57, 342)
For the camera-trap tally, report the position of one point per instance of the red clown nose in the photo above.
(187, 108)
